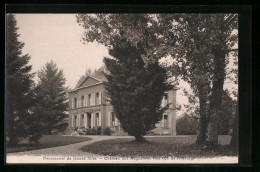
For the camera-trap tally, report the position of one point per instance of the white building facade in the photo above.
(89, 108)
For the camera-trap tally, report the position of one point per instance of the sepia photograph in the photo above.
(121, 88)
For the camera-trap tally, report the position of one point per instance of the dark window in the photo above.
(113, 118)
(82, 116)
(165, 121)
(82, 101)
(75, 102)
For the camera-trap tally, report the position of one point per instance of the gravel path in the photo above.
(70, 154)
(66, 150)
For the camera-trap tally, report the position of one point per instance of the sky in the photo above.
(57, 37)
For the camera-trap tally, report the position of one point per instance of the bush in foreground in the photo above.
(107, 131)
(186, 126)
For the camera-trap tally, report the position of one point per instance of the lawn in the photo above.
(46, 142)
(181, 147)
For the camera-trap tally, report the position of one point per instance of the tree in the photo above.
(201, 50)
(51, 107)
(199, 43)
(227, 113)
(160, 35)
(19, 84)
(222, 42)
(135, 90)
(186, 125)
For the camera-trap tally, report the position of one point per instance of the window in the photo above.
(75, 103)
(97, 99)
(113, 118)
(89, 99)
(165, 121)
(75, 122)
(82, 101)
(82, 116)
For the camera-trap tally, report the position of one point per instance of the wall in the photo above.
(105, 108)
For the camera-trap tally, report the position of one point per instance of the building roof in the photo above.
(99, 80)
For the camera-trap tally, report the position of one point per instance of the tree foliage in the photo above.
(198, 43)
(19, 84)
(186, 125)
(203, 43)
(50, 110)
(135, 91)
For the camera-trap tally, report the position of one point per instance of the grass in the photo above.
(181, 147)
(46, 142)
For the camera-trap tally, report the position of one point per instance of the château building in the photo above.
(89, 108)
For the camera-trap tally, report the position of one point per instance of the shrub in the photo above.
(106, 131)
(81, 131)
(98, 131)
(186, 126)
(91, 131)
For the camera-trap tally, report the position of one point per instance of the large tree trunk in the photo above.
(213, 128)
(139, 138)
(217, 94)
(234, 139)
(203, 122)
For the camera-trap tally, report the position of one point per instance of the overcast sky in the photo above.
(57, 37)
